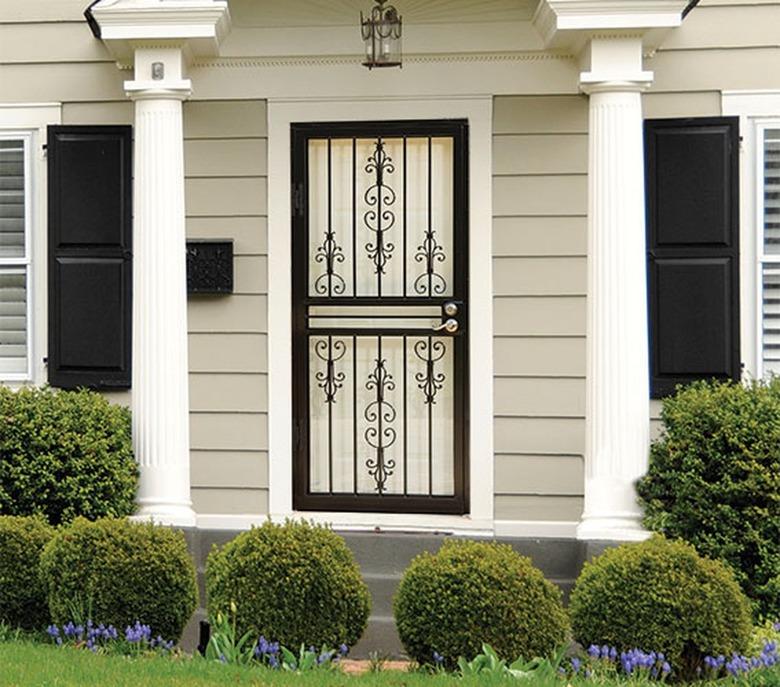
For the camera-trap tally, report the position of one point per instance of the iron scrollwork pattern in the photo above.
(379, 218)
(430, 382)
(330, 381)
(380, 414)
(430, 252)
(330, 282)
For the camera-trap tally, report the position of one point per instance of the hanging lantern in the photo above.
(382, 34)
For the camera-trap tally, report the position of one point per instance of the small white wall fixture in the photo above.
(159, 37)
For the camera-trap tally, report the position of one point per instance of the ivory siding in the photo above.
(225, 156)
(540, 198)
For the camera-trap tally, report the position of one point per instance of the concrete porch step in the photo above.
(383, 557)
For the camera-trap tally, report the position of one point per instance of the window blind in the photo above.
(13, 268)
(771, 253)
(12, 218)
(13, 322)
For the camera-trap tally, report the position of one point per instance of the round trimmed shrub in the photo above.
(295, 583)
(471, 592)
(660, 595)
(22, 595)
(117, 572)
(65, 454)
(714, 481)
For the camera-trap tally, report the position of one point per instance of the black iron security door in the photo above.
(380, 316)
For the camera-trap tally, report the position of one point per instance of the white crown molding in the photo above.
(199, 26)
(568, 24)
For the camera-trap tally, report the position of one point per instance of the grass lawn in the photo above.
(25, 664)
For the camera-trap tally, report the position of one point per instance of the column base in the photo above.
(173, 515)
(611, 528)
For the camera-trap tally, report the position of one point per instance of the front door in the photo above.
(380, 316)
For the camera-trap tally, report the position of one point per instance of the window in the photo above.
(768, 247)
(15, 251)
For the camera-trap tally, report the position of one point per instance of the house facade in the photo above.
(443, 298)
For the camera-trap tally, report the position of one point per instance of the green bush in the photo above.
(64, 454)
(763, 634)
(470, 593)
(293, 583)
(714, 481)
(660, 595)
(116, 571)
(22, 596)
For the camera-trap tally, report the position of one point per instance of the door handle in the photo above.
(450, 326)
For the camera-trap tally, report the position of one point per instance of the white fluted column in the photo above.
(160, 397)
(617, 396)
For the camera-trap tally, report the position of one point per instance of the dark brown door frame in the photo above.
(303, 498)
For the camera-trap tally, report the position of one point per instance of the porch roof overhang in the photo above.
(197, 25)
(570, 24)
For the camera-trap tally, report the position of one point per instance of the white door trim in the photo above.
(479, 112)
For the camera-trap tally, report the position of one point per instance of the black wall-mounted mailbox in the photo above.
(209, 267)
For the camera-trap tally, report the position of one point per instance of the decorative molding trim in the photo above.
(332, 60)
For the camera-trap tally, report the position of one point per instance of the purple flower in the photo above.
(53, 631)
(594, 651)
(666, 668)
(576, 664)
(438, 659)
(138, 633)
(343, 650)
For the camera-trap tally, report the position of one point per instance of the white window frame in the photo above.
(762, 258)
(23, 265)
(29, 121)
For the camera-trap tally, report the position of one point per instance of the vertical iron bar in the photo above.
(331, 373)
(406, 429)
(380, 453)
(379, 241)
(430, 424)
(404, 211)
(354, 416)
(430, 213)
(354, 218)
(329, 258)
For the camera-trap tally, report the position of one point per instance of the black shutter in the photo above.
(693, 250)
(90, 263)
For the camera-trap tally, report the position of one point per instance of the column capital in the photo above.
(589, 85)
(155, 90)
(196, 26)
(614, 64)
(569, 24)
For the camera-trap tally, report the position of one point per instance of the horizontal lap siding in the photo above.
(540, 159)
(225, 154)
(722, 45)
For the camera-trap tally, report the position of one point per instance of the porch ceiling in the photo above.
(299, 13)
